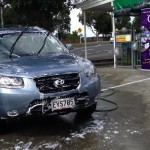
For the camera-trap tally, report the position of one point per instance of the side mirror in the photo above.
(69, 46)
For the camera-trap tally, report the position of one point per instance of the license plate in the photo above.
(64, 103)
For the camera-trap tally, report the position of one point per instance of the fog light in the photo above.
(12, 113)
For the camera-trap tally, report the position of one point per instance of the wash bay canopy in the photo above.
(119, 7)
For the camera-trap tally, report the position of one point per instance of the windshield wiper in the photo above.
(43, 43)
(13, 46)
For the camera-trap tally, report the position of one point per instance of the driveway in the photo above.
(127, 128)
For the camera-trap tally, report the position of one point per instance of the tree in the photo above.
(71, 37)
(48, 14)
(98, 22)
(136, 24)
(123, 21)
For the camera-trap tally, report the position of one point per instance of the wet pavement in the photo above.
(127, 128)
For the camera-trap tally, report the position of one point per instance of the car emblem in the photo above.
(59, 82)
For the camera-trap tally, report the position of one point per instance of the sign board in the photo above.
(145, 38)
(120, 4)
(79, 30)
(123, 38)
(122, 7)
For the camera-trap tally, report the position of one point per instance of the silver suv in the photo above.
(39, 76)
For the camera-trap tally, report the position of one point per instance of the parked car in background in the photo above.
(39, 76)
(111, 40)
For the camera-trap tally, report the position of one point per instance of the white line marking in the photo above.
(77, 48)
(87, 50)
(125, 84)
(90, 49)
(108, 50)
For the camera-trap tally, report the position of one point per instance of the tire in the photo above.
(86, 112)
(3, 125)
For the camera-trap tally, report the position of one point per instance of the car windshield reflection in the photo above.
(30, 44)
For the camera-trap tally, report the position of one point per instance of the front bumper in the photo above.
(29, 101)
(43, 107)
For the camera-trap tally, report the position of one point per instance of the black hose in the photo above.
(103, 98)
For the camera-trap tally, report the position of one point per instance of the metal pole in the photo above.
(133, 58)
(80, 39)
(133, 51)
(85, 42)
(114, 36)
(2, 20)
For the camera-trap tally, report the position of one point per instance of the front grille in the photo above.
(57, 83)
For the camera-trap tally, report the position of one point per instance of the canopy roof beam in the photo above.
(95, 5)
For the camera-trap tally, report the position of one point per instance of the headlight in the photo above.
(11, 82)
(90, 71)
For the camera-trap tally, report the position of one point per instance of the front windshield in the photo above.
(29, 44)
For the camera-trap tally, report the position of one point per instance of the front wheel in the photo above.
(3, 125)
(87, 112)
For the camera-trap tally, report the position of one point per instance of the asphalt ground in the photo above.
(127, 128)
(132, 118)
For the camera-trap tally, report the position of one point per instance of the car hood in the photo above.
(33, 66)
